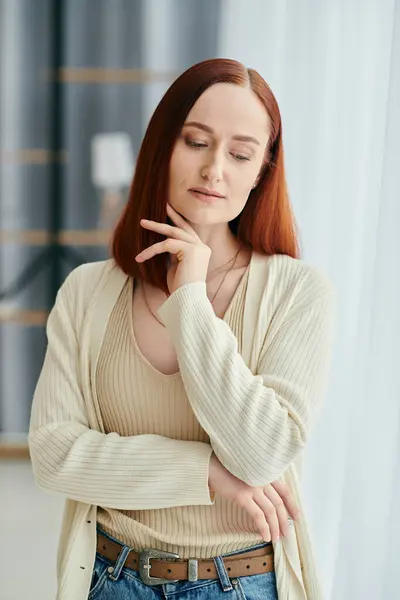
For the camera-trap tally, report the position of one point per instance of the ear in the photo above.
(255, 184)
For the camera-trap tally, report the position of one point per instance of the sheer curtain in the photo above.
(335, 69)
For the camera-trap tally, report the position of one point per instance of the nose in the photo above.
(212, 170)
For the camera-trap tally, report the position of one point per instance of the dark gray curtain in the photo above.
(96, 34)
(24, 194)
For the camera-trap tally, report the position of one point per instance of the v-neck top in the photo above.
(135, 399)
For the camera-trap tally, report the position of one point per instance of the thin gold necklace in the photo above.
(228, 262)
(234, 259)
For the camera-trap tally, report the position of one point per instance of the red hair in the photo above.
(266, 223)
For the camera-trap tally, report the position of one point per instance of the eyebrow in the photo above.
(240, 138)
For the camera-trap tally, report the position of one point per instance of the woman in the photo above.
(183, 376)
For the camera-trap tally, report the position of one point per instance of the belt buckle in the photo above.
(145, 566)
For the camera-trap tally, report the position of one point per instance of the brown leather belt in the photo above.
(240, 565)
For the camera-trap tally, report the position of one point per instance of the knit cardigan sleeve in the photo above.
(258, 423)
(138, 472)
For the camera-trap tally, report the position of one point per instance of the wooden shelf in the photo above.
(101, 75)
(32, 156)
(29, 237)
(31, 318)
(94, 237)
(14, 447)
(71, 237)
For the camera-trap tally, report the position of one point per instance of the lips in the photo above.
(207, 192)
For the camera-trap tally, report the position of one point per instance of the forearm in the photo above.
(257, 423)
(139, 472)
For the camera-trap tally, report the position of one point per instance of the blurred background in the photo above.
(79, 80)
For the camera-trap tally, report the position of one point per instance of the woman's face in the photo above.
(218, 155)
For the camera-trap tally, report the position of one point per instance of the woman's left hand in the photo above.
(190, 257)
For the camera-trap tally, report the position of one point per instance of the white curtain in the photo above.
(334, 66)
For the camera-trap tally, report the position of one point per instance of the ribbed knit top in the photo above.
(137, 399)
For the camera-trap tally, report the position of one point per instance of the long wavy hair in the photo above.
(266, 223)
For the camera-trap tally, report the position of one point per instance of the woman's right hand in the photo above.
(268, 505)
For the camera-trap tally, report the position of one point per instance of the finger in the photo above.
(269, 512)
(287, 497)
(170, 245)
(180, 221)
(258, 517)
(280, 508)
(168, 230)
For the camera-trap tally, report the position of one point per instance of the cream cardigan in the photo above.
(275, 387)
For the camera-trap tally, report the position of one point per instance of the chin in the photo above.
(206, 215)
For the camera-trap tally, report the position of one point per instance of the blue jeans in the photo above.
(126, 584)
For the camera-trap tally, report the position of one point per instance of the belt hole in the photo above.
(104, 547)
(88, 521)
(248, 567)
(169, 571)
(134, 561)
(209, 570)
(229, 568)
(264, 564)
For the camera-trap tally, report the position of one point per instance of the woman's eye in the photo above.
(194, 144)
(240, 157)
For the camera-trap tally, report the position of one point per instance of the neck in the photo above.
(221, 240)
